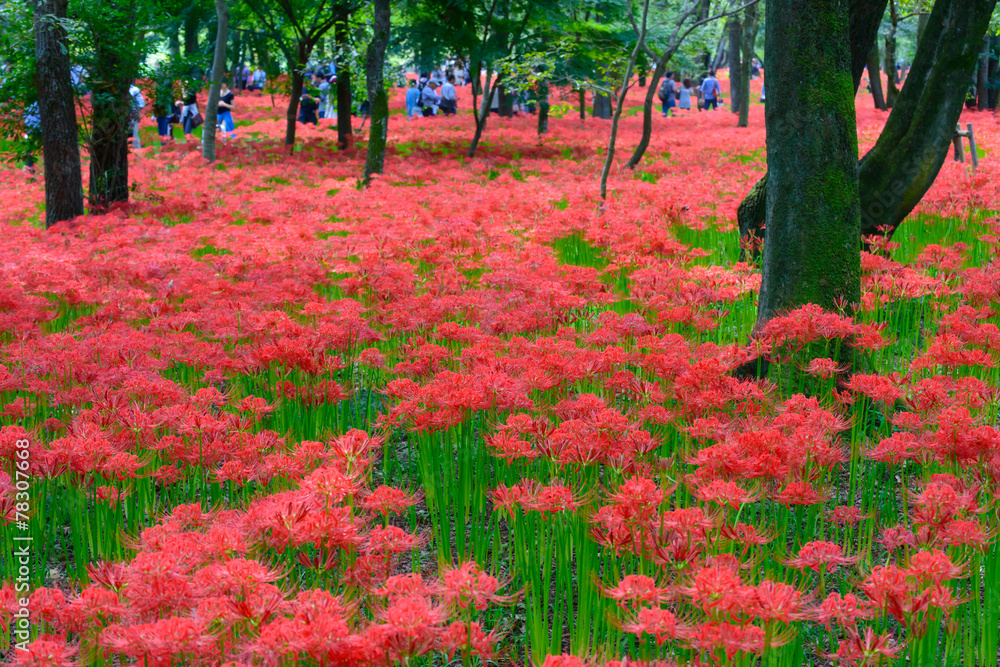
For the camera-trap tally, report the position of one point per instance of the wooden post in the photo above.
(957, 140)
(972, 145)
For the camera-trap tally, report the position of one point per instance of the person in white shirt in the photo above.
(429, 99)
(138, 103)
(449, 102)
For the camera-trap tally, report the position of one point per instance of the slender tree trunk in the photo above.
(378, 98)
(344, 99)
(583, 104)
(875, 79)
(891, 89)
(484, 110)
(620, 102)
(813, 241)
(304, 49)
(749, 37)
(60, 135)
(983, 76)
(647, 114)
(735, 31)
(214, 90)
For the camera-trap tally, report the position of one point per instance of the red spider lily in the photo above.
(867, 649)
(161, 642)
(636, 590)
(47, 651)
(821, 557)
(775, 601)
(662, 624)
(846, 610)
(468, 638)
(467, 589)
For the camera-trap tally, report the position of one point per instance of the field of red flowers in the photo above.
(262, 417)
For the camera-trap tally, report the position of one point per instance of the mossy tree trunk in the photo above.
(746, 47)
(982, 76)
(378, 98)
(344, 98)
(899, 169)
(60, 134)
(735, 31)
(812, 248)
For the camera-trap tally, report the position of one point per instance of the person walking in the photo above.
(163, 109)
(711, 91)
(258, 79)
(189, 115)
(685, 94)
(135, 114)
(224, 114)
(667, 94)
(326, 106)
(449, 100)
(412, 100)
(308, 105)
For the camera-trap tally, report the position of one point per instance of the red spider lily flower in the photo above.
(825, 368)
(821, 556)
(467, 638)
(776, 601)
(467, 588)
(508, 446)
(47, 651)
(844, 515)
(897, 536)
(386, 500)
(934, 567)
(800, 493)
(718, 589)
(47, 604)
(662, 624)
(636, 590)
(846, 610)
(160, 642)
(408, 627)
(732, 638)
(865, 650)
(401, 585)
(726, 493)
(564, 660)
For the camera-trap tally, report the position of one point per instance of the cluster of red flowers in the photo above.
(265, 410)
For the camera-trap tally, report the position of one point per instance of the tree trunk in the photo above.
(647, 114)
(583, 104)
(891, 90)
(344, 101)
(191, 24)
(620, 102)
(720, 54)
(111, 105)
(749, 37)
(875, 79)
(994, 72)
(735, 31)
(543, 108)
(506, 108)
(982, 76)
(602, 106)
(174, 41)
(921, 25)
(899, 169)
(304, 49)
(813, 242)
(378, 98)
(484, 110)
(214, 90)
(60, 135)
(914, 143)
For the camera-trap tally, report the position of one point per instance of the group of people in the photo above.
(677, 93)
(423, 97)
(176, 105)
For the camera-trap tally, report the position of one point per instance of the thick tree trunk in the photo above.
(891, 90)
(344, 99)
(111, 105)
(647, 114)
(602, 106)
(921, 25)
(191, 24)
(875, 79)
(746, 48)
(914, 143)
(291, 116)
(982, 76)
(60, 135)
(506, 108)
(866, 17)
(378, 98)
(994, 72)
(214, 91)
(812, 249)
(735, 31)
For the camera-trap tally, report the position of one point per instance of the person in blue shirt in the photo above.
(412, 100)
(711, 91)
